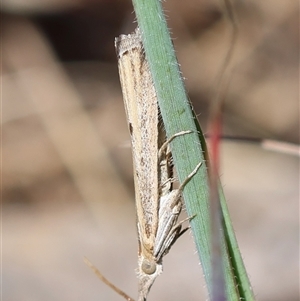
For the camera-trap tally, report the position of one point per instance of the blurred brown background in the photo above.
(67, 188)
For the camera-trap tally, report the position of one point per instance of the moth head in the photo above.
(147, 272)
(148, 266)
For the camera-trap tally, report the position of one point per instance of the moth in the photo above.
(158, 204)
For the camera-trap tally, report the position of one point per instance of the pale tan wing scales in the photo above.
(142, 113)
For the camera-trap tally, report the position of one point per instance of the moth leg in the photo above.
(168, 229)
(165, 170)
(188, 178)
(165, 145)
(175, 233)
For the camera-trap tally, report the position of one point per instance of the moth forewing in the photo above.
(142, 114)
(143, 118)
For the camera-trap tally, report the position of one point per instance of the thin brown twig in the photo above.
(106, 281)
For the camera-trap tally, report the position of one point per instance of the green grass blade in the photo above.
(188, 150)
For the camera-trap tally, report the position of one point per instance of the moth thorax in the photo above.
(148, 267)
